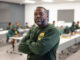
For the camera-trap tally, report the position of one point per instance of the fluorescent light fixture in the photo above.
(47, 0)
(29, 1)
(70, 0)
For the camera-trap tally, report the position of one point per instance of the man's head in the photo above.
(26, 24)
(17, 24)
(54, 22)
(10, 24)
(41, 17)
(77, 22)
(14, 27)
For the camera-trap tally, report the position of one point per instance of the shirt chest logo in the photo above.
(41, 35)
(16, 32)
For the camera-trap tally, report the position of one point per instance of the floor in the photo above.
(7, 56)
(75, 56)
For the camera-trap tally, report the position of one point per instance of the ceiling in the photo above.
(13, 1)
(39, 1)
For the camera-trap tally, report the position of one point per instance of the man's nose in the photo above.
(38, 16)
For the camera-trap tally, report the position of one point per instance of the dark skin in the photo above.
(53, 22)
(41, 17)
(14, 29)
(77, 22)
(17, 24)
(10, 25)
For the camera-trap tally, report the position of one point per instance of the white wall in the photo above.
(29, 11)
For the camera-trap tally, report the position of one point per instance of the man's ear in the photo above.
(47, 17)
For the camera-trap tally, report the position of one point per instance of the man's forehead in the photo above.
(40, 9)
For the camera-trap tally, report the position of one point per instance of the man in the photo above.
(9, 26)
(53, 23)
(27, 26)
(73, 28)
(12, 32)
(41, 42)
(18, 25)
(66, 30)
(77, 25)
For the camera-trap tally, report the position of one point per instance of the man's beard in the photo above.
(41, 23)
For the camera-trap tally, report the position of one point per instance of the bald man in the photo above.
(42, 41)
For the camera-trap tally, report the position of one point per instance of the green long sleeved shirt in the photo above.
(41, 43)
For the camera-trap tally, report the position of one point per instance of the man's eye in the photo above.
(41, 13)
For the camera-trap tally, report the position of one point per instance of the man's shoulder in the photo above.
(33, 28)
(51, 26)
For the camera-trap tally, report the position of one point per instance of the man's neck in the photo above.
(43, 26)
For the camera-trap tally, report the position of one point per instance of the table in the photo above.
(3, 32)
(3, 36)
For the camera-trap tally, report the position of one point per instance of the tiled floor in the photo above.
(7, 56)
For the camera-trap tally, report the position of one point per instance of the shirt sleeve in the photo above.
(41, 47)
(23, 47)
(9, 34)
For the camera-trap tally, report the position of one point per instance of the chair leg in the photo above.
(13, 46)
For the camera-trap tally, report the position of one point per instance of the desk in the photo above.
(3, 32)
(23, 30)
(3, 35)
(18, 38)
(67, 42)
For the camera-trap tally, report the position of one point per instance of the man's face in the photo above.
(78, 22)
(14, 29)
(17, 23)
(41, 17)
(53, 22)
(10, 25)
